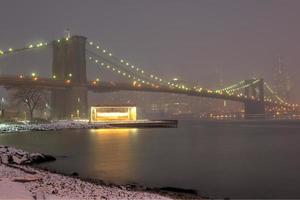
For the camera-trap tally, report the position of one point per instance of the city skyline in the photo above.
(149, 99)
(155, 41)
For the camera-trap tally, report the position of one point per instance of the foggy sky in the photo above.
(190, 39)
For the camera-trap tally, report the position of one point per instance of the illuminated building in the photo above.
(113, 113)
(282, 80)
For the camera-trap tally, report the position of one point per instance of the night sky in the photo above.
(190, 39)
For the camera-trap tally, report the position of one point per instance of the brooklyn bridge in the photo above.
(69, 85)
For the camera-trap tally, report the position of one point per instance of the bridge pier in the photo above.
(69, 64)
(255, 109)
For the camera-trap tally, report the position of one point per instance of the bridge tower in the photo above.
(255, 109)
(69, 64)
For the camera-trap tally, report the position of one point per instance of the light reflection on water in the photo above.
(112, 146)
(219, 161)
(124, 131)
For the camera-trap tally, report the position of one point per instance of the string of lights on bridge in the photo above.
(108, 66)
(123, 62)
(161, 82)
(140, 77)
(137, 81)
(242, 85)
(30, 46)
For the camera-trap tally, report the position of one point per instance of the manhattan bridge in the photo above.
(69, 86)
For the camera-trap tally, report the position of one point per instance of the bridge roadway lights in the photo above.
(69, 62)
(69, 58)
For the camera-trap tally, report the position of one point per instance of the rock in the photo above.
(39, 158)
(3, 149)
(40, 195)
(18, 160)
(75, 174)
(9, 155)
(26, 179)
(179, 190)
(55, 191)
(5, 158)
(48, 158)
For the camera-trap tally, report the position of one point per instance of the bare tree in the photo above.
(32, 98)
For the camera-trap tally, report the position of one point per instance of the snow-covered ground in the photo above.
(20, 181)
(38, 184)
(57, 125)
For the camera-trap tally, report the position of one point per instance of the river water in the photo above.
(236, 161)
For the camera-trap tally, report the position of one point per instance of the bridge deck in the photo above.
(53, 84)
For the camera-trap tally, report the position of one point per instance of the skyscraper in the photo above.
(281, 80)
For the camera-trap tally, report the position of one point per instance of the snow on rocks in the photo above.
(56, 125)
(47, 185)
(10, 155)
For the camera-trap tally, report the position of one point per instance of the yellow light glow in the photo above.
(114, 130)
(113, 113)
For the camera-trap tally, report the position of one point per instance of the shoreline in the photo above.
(55, 185)
(25, 180)
(48, 185)
(83, 124)
(170, 192)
